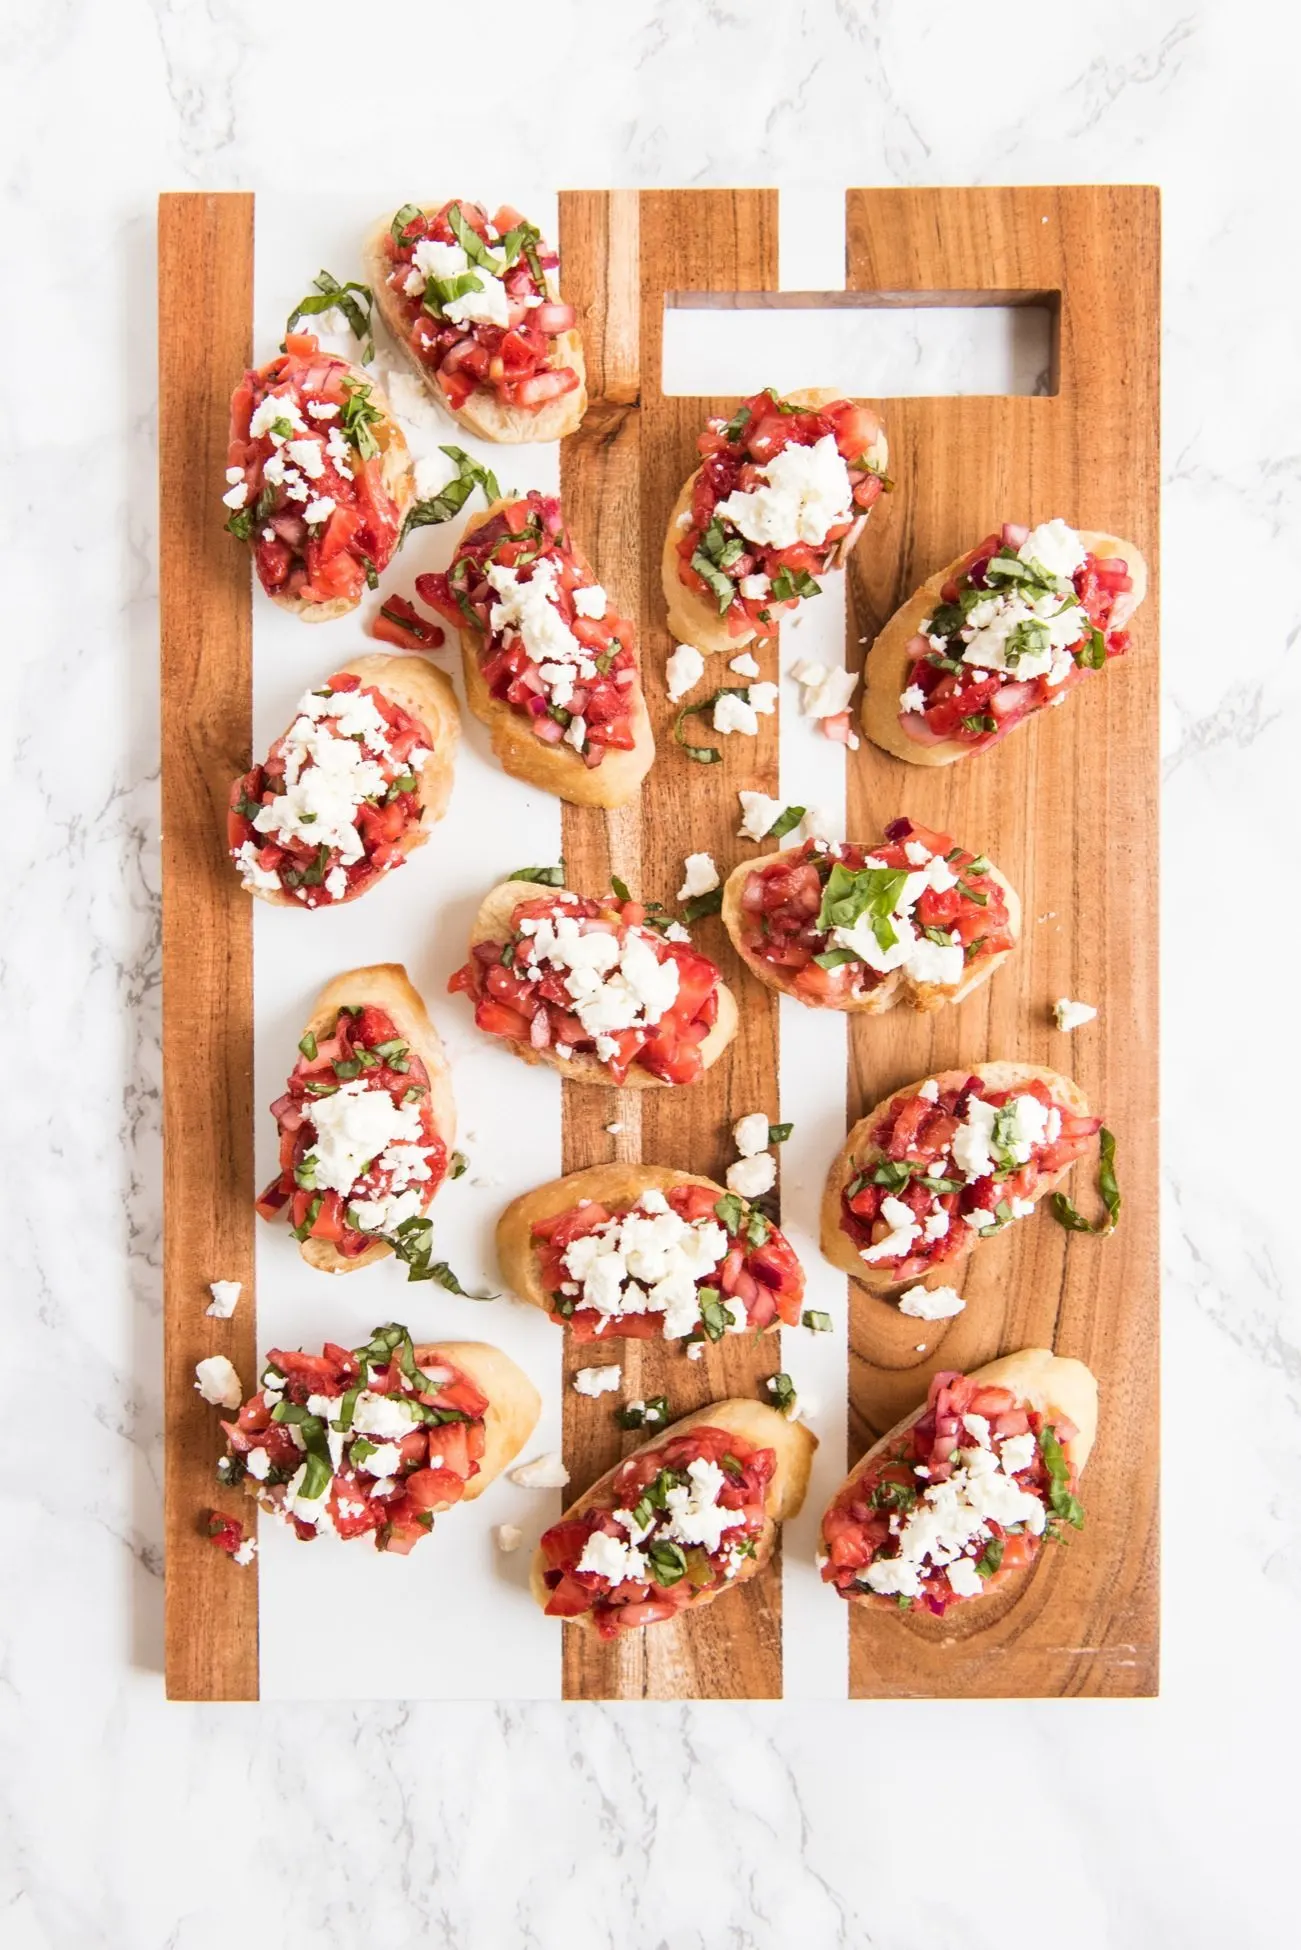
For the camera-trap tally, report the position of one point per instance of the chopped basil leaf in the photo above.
(785, 822)
(360, 1449)
(667, 1563)
(723, 587)
(372, 573)
(974, 894)
(328, 295)
(788, 585)
(1062, 1503)
(991, 1558)
(980, 722)
(458, 1165)
(655, 1412)
(979, 865)
(402, 221)
(729, 1211)
(413, 1244)
(346, 1069)
(871, 891)
(705, 754)
(1064, 1211)
(778, 1133)
(737, 425)
(835, 957)
(817, 1322)
(703, 904)
(619, 887)
(240, 524)
(713, 1317)
(1093, 654)
(781, 1390)
(308, 1046)
(450, 500)
(313, 1214)
(757, 1228)
(542, 876)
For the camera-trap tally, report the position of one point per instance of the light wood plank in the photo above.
(1067, 807)
(205, 277)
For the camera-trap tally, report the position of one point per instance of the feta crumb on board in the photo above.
(824, 690)
(1072, 1015)
(700, 876)
(931, 1303)
(597, 1381)
(759, 814)
(509, 1536)
(752, 1177)
(683, 671)
(615, 1128)
(216, 1380)
(246, 1552)
(744, 665)
(750, 1133)
(546, 1472)
(225, 1298)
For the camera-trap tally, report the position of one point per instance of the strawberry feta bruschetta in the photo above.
(377, 1441)
(366, 1123)
(590, 987)
(1008, 629)
(550, 667)
(351, 788)
(684, 1518)
(779, 499)
(862, 928)
(318, 479)
(961, 1496)
(640, 1252)
(473, 302)
(946, 1162)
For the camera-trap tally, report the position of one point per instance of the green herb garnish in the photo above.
(450, 500)
(1064, 1211)
(541, 876)
(328, 295)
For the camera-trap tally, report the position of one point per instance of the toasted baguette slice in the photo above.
(514, 1404)
(385, 986)
(895, 987)
(857, 1152)
(555, 768)
(885, 673)
(398, 474)
(1050, 1383)
(618, 1186)
(482, 413)
(428, 696)
(492, 923)
(693, 618)
(753, 1422)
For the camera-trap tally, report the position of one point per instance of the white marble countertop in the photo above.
(1141, 1824)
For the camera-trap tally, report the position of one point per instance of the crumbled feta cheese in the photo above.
(763, 699)
(258, 1464)
(964, 1579)
(1072, 1015)
(806, 492)
(931, 1303)
(614, 985)
(752, 1177)
(1055, 547)
(758, 814)
(355, 1125)
(509, 1536)
(216, 1380)
(1017, 1452)
(683, 671)
(612, 1558)
(904, 1230)
(614, 1129)
(824, 691)
(245, 1553)
(754, 588)
(236, 497)
(647, 1260)
(336, 883)
(693, 1512)
(744, 665)
(276, 407)
(695, 1350)
(590, 601)
(750, 1134)
(732, 713)
(597, 1381)
(318, 510)
(546, 1472)
(913, 699)
(700, 876)
(225, 1298)
(390, 1417)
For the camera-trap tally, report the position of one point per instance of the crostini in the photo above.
(549, 666)
(366, 1124)
(473, 303)
(779, 499)
(377, 1441)
(351, 788)
(959, 1497)
(1007, 630)
(861, 928)
(318, 479)
(684, 1518)
(640, 1252)
(946, 1162)
(590, 987)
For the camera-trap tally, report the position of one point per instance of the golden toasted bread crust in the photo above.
(514, 1404)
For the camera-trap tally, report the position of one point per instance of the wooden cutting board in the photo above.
(1067, 807)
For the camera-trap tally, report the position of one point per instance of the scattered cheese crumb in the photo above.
(597, 1381)
(750, 1134)
(744, 665)
(820, 823)
(694, 1350)
(509, 1536)
(758, 814)
(1072, 1015)
(824, 691)
(700, 876)
(752, 1177)
(543, 1473)
(614, 1129)
(683, 671)
(225, 1298)
(733, 713)
(218, 1383)
(246, 1553)
(931, 1303)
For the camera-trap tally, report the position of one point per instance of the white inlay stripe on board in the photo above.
(454, 1620)
(813, 1055)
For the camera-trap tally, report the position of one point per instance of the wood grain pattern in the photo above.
(621, 254)
(205, 276)
(1067, 807)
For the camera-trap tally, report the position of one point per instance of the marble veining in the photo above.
(133, 1825)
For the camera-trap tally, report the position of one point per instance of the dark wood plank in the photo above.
(205, 280)
(1067, 806)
